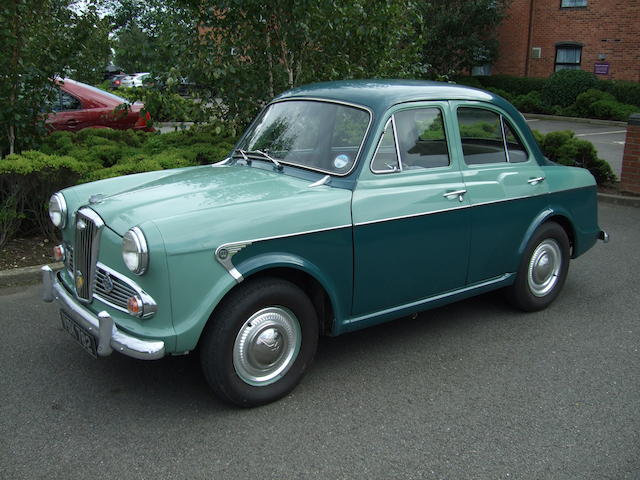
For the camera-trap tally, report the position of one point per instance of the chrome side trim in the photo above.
(224, 254)
(422, 214)
(232, 248)
(101, 326)
(435, 298)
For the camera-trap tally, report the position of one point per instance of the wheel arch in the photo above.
(550, 215)
(301, 273)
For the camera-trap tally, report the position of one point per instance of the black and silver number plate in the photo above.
(81, 335)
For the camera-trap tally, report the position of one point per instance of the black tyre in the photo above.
(543, 269)
(259, 342)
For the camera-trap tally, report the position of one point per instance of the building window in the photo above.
(573, 3)
(568, 57)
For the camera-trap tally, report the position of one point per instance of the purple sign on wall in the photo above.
(601, 68)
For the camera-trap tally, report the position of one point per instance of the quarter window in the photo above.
(68, 102)
(568, 57)
(386, 157)
(487, 137)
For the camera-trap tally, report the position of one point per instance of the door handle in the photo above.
(455, 193)
(535, 181)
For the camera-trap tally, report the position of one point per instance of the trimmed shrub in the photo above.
(469, 82)
(531, 103)
(513, 85)
(27, 180)
(563, 87)
(502, 93)
(612, 110)
(624, 92)
(599, 104)
(562, 147)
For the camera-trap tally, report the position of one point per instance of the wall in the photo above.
(607, 27)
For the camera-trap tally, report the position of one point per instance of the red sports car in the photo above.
(81, 106)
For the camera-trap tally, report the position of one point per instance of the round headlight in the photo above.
(134, 251)
(58, 210)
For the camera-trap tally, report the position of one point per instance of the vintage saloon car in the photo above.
(344, 205)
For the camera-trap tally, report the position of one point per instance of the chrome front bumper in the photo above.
(101, 326)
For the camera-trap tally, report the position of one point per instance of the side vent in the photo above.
(536, 52)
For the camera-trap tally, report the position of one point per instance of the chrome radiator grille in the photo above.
(113, 289)
(85, 253)
(109, 286)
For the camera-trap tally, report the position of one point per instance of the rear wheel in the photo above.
(543, 269)
(259, 342)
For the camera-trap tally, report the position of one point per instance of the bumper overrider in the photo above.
(100, 326)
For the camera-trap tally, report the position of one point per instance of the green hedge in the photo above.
(573, 93)
(27, 180)
(564, 148)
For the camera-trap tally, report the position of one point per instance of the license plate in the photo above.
(80, 334)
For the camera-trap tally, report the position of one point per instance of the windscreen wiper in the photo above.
(263, 155)
(244, 155)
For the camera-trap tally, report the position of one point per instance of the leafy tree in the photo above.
(39, 41)
(251, 49)
(150, 32)
(459, 34)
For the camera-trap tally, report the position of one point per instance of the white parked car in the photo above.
(134, 80)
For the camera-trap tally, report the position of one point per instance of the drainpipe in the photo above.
(529, 40)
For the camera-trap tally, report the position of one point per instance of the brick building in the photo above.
(539, 37)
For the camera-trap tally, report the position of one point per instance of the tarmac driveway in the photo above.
(472, 390)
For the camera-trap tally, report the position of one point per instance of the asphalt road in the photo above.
(474, 390)
(608, 140)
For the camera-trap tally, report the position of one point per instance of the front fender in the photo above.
(268, 261)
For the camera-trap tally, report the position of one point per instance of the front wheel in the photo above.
(259, 342)
(543, 269)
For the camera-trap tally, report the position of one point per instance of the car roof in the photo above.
(89, 95)
(379, 95)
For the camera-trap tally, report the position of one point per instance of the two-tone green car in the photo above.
(344, 205)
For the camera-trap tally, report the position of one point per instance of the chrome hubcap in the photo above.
(544, 267)
(266, 346)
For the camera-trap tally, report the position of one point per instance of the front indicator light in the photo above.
(58, 253)
(135, 306)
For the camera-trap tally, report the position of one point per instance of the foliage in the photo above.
(513, 85)
(564, 148)
(623, 91)
(165, 105)
(598, 104)
(27, 180)
(531, 102)
(459, 34)
(251, 50)
(152, 35)
(563, 87)
(40, 40)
